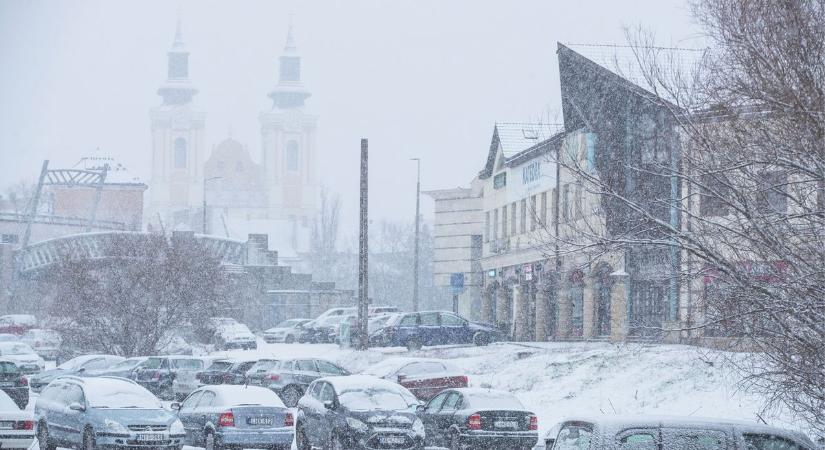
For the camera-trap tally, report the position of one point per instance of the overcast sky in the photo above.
(425, 78)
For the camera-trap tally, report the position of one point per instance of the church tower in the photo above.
(288, 151)
(177, 146)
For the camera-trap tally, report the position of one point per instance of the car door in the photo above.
(187, 413)
(407, 328)
(74, 420)
(50, 407)
(428, 417)
(455, 329)
(446, 415)
(312, 408)
(306, 372)
(430, 329)
(204, 415)
(326, 419)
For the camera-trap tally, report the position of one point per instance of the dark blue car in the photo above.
(414, 330)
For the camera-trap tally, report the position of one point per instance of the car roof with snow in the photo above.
(361, 382)
(231, 394)
(616, 423)
(390, 365)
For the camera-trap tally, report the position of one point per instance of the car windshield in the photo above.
(374, 398)
(115, 393)
(187, 364)
(16, 349)
(8, 367)
(127, 364)
(74, 363)
(220, 366)
(383, 369)
(494, 400)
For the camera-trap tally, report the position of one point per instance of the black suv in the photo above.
(226, 372)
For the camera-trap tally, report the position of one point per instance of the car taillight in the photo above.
(156, 376)
(23, 425)
(474, 422)
(198, 376)
(534, 423)
(226, 419)
(24, 381)
(463, 380)
(274, 377)
(289, 420)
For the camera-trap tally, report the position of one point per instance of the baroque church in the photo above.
(228, 191)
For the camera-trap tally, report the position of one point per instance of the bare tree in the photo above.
(325, 236)
(129, 304)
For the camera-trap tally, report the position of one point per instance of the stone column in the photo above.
(487, 305)
(618, 307)
(589, 309)
(563, 317)
(541, 313)
(502, 307)
(520, 314)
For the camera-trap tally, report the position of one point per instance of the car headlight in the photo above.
(357, 425)
(176, 427)
(418, 427)
(114, 427)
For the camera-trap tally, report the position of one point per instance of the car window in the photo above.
(315, 390)
(206, 399)
(244, 366)
(73, 394)
(638, 440)
(94, 364)
(328, 367)
(451, 320)
(693, 439)
(306, 365)
(435, 404)
(191, 401)
(770, 442)
(52, 392)
(451, 401)
(574, 437)
(327, 394)
(422, 368)
(8, 367)
(410, 320)
(289, 365)
(429, 319)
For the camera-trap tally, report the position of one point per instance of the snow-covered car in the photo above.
(124, 369)
(235, 336)
(14, 383)
(7, 337)
(674, 433)
(348, 329)
(186, 381)
(157, 374)
(424, 377)
(74, 366)
(24, 356)
(17, 324)
(286, 331)
(45, 343)
(18, 425)
(336, 312)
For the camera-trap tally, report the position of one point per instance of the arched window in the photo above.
(292, 156)
(180, 153)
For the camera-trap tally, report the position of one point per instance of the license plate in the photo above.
(150, 437)
(259, 421)
(394, 440)
(506, 424)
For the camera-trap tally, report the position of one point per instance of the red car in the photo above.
(17, 323)
(424, 377)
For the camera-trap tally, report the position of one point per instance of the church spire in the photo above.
(177, 89)
(290, 91)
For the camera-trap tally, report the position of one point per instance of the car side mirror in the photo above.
(81, 370)
(402, 377)
(175, 406)
(77, 407)
(548, 443)
(329, 404)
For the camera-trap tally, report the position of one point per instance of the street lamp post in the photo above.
(204, 200)
(417, 222)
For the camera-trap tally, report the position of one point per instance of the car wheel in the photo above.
(336, 443)
(89, 440)
(481, 339)
(43, 437)
(290, 395)
(210, 442)
(413, 344)
(455, 441)
(301, 441)
(289, 339)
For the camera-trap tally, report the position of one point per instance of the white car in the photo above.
(24, 356)
(45, 342)
(18, 425)
(332, 312)
(285, 331)
(235, 336)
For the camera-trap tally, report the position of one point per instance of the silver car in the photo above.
(290, 377)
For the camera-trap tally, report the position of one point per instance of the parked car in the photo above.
(676, 433)
(310, 333)
(348, 329)
(358, 412)
(226, 372)
(478, 418)
(7, 337)
(186, 381)
(423, 377)
(45, 343)
(258, 370)
(18, 425)
(125, 368)
(24, 356)
(325, 330)
(159, 372)
(291, 377)
(14, 383)
(235, 336)
(74, 366)
(217, 417)
(17, 324)
(104, 412)
(414, 330)
(286, 331)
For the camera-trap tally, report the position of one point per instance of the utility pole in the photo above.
(363, 254)
(417, 226)
(204, 200)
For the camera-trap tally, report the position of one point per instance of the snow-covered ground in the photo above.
(556, 380)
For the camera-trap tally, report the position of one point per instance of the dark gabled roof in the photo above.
(515, 138)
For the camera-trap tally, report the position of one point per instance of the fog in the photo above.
(421, 79)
